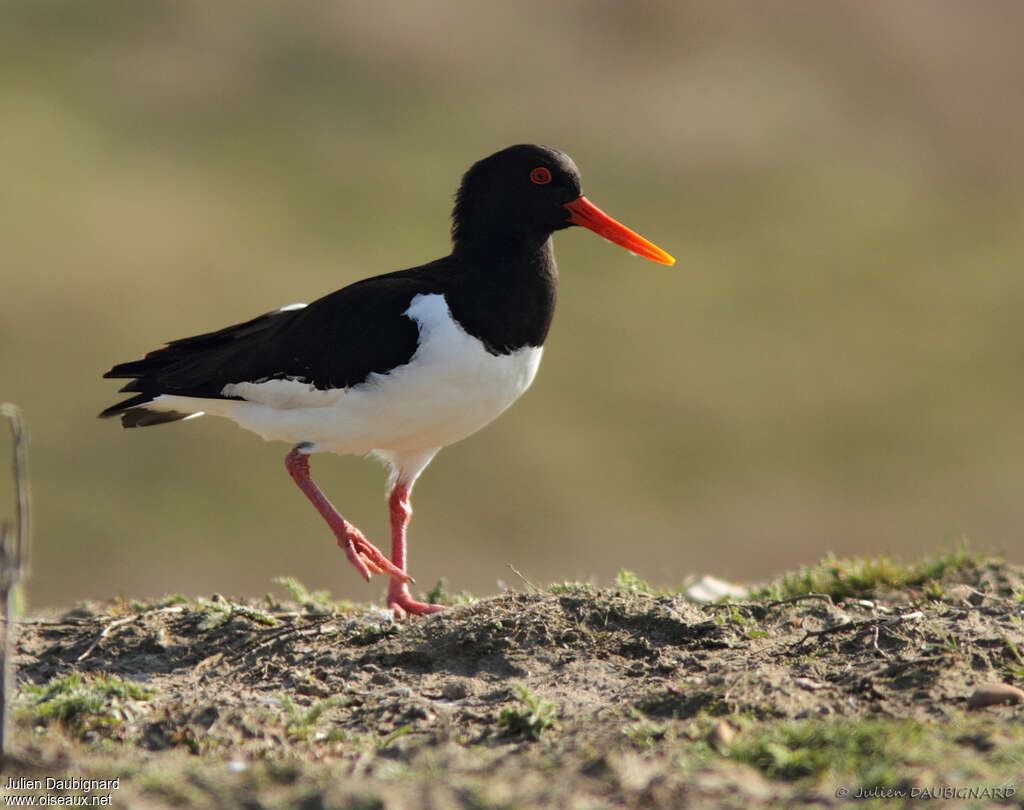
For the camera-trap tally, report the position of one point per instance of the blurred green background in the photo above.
(834, 363)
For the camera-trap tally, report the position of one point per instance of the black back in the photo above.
(499, 281)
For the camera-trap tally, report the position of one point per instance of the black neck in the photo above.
(506, 294)
(503, 248)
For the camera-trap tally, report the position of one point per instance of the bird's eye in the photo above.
(541, 176)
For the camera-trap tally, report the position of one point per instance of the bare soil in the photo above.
(573, 697)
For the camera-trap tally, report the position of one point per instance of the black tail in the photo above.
(189, 367)
(133, 413)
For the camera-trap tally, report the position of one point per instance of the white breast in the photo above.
(451, 387)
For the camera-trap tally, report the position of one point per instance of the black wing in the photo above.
(335, 342)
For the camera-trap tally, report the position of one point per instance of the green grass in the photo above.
(571, 588)
(630, 582)
(531, 718)
(218, 611)
(440, 595)
(833, 576)
(81, 703)
(301, 724)
(316, 602)
(1013, 661)
(643, 732)
(876, 752)
(862, 576)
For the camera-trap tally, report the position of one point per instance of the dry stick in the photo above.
(515, 571)
(801, 598)
(14, 563)
(106, 632)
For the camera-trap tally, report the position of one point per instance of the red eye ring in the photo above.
(541, 176)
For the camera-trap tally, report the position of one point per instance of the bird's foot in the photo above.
(367, 558)
(364, 555)
(401, 603)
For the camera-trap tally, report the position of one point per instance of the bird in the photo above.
(397, 365)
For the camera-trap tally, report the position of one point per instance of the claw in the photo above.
(356, 559)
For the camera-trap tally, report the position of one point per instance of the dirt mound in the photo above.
(573, 696)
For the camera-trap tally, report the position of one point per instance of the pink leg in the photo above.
(399, 599)
(361, 552)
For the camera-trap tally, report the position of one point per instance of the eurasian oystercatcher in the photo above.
(398, 365)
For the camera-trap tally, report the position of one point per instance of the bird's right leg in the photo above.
(365, 556)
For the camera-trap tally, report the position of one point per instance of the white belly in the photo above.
(450, 388)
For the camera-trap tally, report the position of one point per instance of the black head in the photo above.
(519, 191)
(513, 200)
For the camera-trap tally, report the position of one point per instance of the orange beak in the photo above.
(583, 212)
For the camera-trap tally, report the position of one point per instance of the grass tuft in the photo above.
(301, 724)
(629, 582)
(81, 703)
(875, 750)
(440, 595)
(531, 719)
(572, 588)
(316, 602)
(863, 576)
(220, 611)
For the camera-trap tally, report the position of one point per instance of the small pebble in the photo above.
(453, 690)
(993, 694)
(721, 735)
